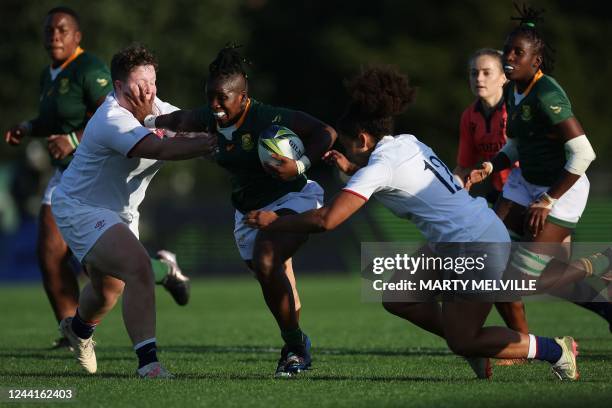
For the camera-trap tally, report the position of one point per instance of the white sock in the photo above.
(144, 343)
(532, 347)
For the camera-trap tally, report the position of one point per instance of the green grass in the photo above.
(223, 348)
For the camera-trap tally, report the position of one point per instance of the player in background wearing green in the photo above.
(238, 120)
(71, 89)
(543, 199)
(482, 133)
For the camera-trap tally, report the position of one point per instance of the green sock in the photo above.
(160, 270)
(293, 337)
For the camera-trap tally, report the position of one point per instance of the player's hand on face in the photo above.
(260, 219)
(14, 135)
(141, 98)
(284, 168)
(59, 146)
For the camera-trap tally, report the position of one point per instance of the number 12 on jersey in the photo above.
(448, 181)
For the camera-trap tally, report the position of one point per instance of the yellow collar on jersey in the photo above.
(535, 79)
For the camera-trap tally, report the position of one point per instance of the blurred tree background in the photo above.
(300, 51)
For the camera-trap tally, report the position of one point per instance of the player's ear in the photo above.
(118, 85)
(538, 61)
(77, 37)
(363, 138)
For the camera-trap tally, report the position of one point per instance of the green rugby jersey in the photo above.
(67, 103)
(531, 122)
(252, 187)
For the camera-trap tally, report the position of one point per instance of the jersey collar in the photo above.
(74, 56)
(538, 75)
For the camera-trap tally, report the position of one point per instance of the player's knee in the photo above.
(265, 266)
(461, 346)
(138, 270)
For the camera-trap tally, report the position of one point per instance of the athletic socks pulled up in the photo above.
(146, 352)
(294, 337)
(544, 349)
(160, 270)
(82, 328)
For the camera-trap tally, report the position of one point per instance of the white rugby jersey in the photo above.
(101, 174)
(408, 178)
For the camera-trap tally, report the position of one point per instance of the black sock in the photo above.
(82, 328)
(147, 354)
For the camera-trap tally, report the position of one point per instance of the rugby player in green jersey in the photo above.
(238, 120)
(543, 199)
(71, 89)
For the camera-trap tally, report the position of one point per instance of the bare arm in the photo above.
(181, 121)
(323, 219)
(175, 148)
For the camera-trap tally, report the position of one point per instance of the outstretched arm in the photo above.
(323, 219)
(181, 121)
(175, 148)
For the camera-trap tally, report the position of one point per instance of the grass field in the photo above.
(223, 348)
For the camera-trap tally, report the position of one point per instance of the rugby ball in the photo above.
(279, 140)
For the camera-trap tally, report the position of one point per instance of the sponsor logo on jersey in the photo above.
(277, 119)
(100, 224)
(526, 113)
(555, 109)
(247, 142)
(64, 86)
(102, 82)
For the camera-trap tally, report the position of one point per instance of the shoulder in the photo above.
(89, 63)
(392, 148)
(469, 111)
(548, 86)
(270, 113)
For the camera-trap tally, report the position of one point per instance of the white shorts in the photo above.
(82, 225)
(309, 198)
(566, 211)
(53, 183)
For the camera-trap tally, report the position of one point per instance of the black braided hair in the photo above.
(376, 95)
(228, 62)
(529, 23)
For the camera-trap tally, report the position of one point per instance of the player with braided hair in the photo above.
(238, 120)
(408, 178)
(542, 200)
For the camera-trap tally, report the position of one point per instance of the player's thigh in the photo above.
(277, 246)
(118, 253)
(392, 299)
(512, 214)
(462, 320)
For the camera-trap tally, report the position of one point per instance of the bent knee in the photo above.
(462, 346)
